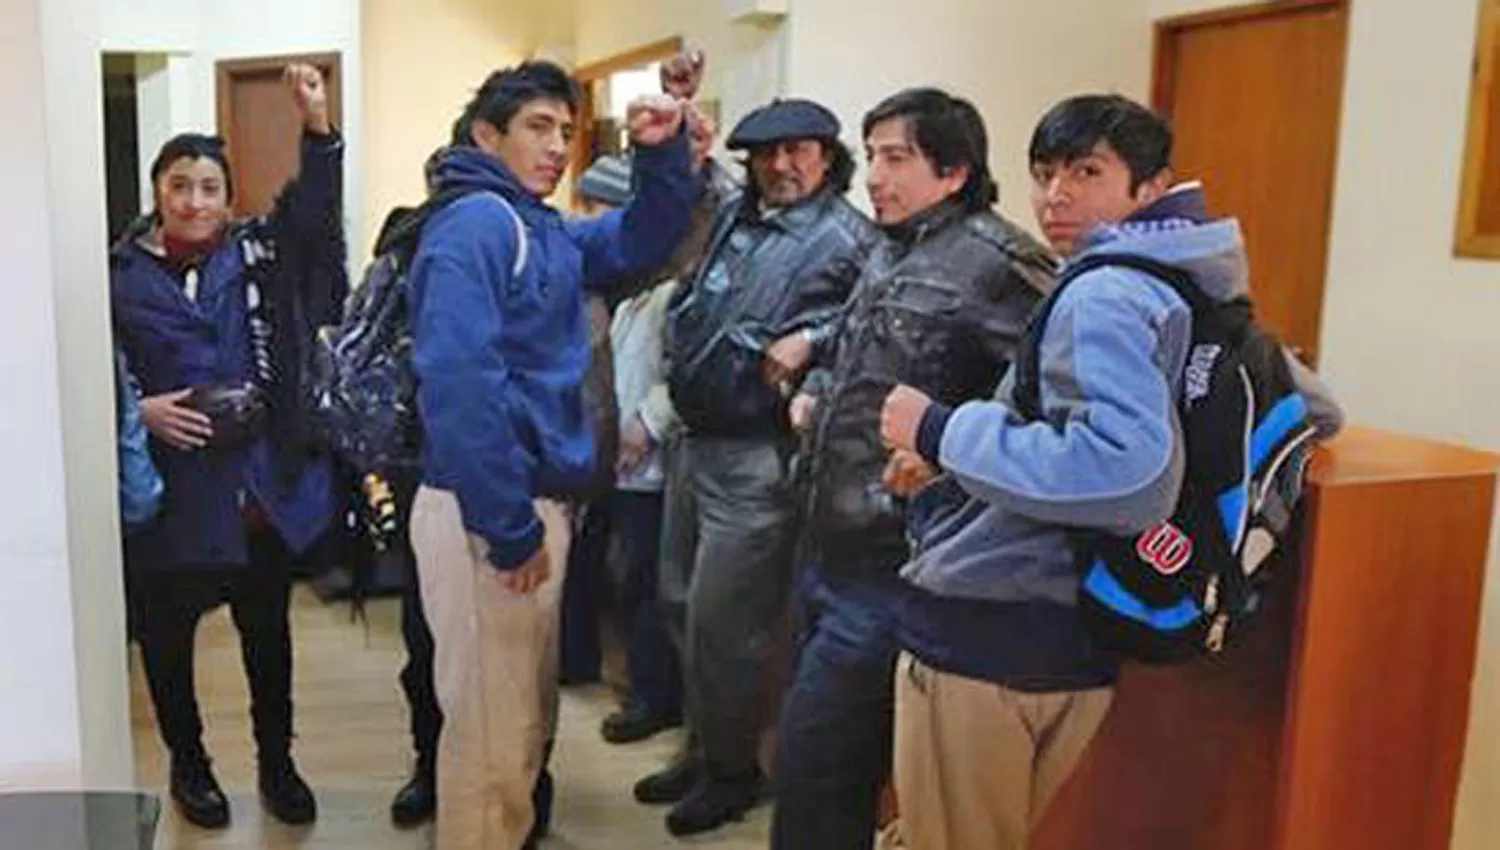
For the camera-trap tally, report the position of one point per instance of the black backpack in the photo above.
(363, 387)
(1186, 586)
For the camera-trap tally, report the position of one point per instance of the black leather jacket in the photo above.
(940, 307)
(762, 278)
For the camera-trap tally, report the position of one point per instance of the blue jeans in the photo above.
(835, 737)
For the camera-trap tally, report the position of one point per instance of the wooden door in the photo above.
(1254, 94)
(259, 123)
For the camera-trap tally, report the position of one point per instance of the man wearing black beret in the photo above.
(783, 257)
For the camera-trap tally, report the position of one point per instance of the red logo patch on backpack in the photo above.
(1166, 548)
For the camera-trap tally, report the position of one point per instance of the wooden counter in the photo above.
(1340, 722)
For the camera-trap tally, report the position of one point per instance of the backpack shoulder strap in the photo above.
(406, 232)
(1178, 278)
(1026, 395)
(523, 244)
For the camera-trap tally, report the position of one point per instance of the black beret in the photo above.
(781, 120)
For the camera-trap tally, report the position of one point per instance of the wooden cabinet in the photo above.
(1340, 722)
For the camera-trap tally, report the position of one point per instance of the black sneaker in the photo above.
(416, 802)
(713, 803)
(285, 794)
(197, 793)
(635, 722)
(669, 785)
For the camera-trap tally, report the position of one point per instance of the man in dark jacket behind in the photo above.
(941, 305)
(782, 259)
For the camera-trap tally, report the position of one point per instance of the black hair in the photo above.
(1072, 129)
(839, 178)
(193, 146)
(949, 132)
(504, 92)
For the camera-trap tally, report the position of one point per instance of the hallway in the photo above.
(354, 748)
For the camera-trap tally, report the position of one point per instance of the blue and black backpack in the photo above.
(1184, 588)
(363, 388)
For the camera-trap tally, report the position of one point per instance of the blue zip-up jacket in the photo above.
(500, 358)
(999, 566)
(172, 342)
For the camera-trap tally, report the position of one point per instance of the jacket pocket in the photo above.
(923, 296)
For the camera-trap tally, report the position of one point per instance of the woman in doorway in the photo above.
(212, 315)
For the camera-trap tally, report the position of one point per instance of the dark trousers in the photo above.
(655, 666)
(166, 605)
(416, 675)
(746, 527)
(584, 589)
(834, 745)
(678, 542)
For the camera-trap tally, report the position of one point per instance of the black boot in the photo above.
(713, 803)
(669, 785)
(416, 802)
(635, 722)
(197, 793)
(285, 794)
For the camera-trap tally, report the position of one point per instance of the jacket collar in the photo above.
(467, 167)
(924, 224)
(797, 220)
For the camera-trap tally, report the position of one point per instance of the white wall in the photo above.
(64, 717)
(1002, 54)
(75, 188)
(154, 121)
(556, 30)
(1409, 334)
(197, 35)
(422, 64)
(149, 26)
(1012, 58)
(1170, 8)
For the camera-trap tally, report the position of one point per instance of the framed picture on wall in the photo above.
(1479, 197)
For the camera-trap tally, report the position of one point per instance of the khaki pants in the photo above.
(976, 763)
(495, 671)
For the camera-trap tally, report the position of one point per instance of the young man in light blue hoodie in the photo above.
(1000, 688)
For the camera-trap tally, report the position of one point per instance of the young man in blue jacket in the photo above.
(500, 349)
(1000, 689)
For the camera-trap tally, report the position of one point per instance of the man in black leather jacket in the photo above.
(940, 306)
(782, 260)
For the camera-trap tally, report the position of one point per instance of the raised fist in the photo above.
(654, 119)
(309, 95)
(683, 74)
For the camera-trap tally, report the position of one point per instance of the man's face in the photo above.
(1071, 198)
(902, 181)
(789, 171)
(535, 145)
(193, 198)
(702, 130)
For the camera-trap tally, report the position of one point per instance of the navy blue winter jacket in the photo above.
(500, 357)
